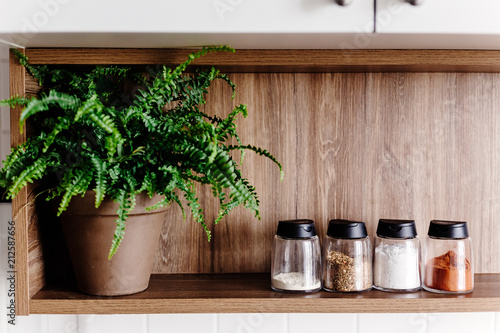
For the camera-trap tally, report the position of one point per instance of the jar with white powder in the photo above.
(296, 259)
(396, 263)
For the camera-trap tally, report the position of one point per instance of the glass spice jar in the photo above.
(396, 263)
(347, 257)
(296, 259)
(448, 258)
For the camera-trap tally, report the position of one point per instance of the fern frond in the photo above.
(193, 56)
(261, 152)
(15, 101)
(224, 77)
(17, 156)
(31, 172)
(78, 183)
(224, 210)
(190, 194)
(62, 100)
(38, 72)
(106, 123)
(126, 202)
(90, 105)
(100, 168)
(63, 124)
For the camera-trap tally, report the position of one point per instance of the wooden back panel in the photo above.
(356, 146)
(359, 146)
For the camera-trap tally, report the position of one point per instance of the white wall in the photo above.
(220, 323)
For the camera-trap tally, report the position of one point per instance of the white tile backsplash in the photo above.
(30, 324)
(112, 323)
(63, 323)
(253, 323)
(319, 322)
(179, 323)
(393, 323)
(461, 322)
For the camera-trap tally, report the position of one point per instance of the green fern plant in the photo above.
(155, 139)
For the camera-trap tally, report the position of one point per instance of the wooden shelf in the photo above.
(355, 145)
(236, 293)
(297, 61)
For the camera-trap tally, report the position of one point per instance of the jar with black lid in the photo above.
(396, 263)
(296, 258)
(448, 258)
(347, 257)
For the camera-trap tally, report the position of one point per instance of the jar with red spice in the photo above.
(448, 258)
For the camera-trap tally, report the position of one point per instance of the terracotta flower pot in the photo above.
(89, 233)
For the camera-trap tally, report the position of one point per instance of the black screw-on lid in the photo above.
(448, 229)
(296, 229)
(396, 228)
(346, 229)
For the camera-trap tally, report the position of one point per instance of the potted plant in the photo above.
(113, 142)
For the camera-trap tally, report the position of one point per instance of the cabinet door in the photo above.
(438, 17)
(188, 17)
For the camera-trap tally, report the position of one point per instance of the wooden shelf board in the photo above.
(236, 293)
(285, 60)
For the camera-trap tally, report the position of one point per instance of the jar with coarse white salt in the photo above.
(296, 258)
(396, 262)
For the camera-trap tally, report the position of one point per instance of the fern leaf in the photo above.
(261, 152)
(190, 194)
(126, 203)
(225, 209)
(107, 124)
(100, 168)
(193, 56)
(63, 124)
(92, 104)
(32, 172)
(38, 72)
(80, 180)
(15, 101)
(62, 100)
(16, 156)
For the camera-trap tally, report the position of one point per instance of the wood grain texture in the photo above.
(19, 212)
(359, 146)
(241, 242)
(30, 263)
(287, 60)
(434, 153)
(237, 293)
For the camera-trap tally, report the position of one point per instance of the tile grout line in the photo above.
(216, 323)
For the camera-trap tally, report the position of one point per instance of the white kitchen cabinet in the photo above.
(437, 24)
(439, 17)
(152, 23)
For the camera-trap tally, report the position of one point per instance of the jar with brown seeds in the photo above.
(347, 257)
